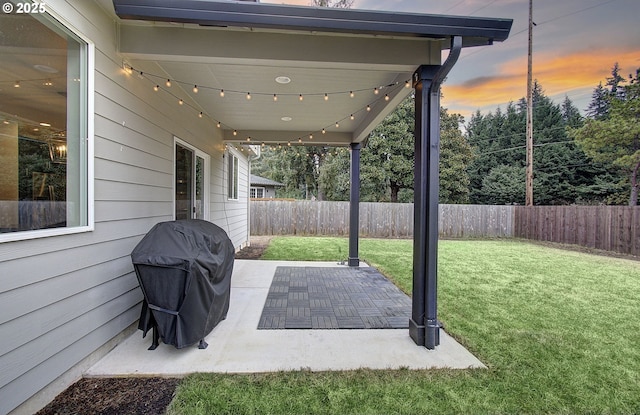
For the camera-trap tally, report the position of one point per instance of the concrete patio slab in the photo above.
(237, 346)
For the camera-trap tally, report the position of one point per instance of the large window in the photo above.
(192, 178)
(232, 176)
(44, 131)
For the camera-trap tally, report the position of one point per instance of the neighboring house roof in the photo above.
(263, 181)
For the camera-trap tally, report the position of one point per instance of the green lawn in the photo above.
(559, 331)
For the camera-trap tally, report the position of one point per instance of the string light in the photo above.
(235, 132)
(218, 124)
(386, 97)
(310, 136)
(300, 140)
(248, 139)
(168, 83)
(275, 97)
(351, 94)
(222, 93)
(376, 91)
(407, 84)
(180, 101)
(200, 115)
(352, 117)
(326, 97)
(17, 84)
(156, 88)
(337, 124)
(324, 131)
(301, 98)
(248, 95)
(368, 108)
(195, 89)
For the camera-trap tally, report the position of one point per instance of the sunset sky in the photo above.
(575, 44)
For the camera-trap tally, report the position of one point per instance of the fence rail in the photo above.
(611, 228)
(377, 220)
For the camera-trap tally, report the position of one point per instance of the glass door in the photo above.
(191, 181)
(184, 183)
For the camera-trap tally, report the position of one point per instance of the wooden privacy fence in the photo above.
(611, 228)
(377, 220)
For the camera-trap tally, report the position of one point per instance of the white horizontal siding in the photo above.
(63, 297)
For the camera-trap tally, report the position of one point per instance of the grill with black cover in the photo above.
(184, 269)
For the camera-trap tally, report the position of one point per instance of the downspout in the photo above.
(424, 325)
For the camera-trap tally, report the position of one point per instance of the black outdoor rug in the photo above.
(334, 298)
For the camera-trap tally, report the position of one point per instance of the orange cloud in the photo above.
(557, 74)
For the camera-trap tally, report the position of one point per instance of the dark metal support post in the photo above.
(424, 327)
(354, 205)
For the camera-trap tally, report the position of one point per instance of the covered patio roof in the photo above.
(351, 67)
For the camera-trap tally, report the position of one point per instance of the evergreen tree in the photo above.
(562, 172)
(616, 139)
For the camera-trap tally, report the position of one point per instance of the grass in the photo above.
(559, 331)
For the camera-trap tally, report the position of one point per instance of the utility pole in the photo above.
(529, 160)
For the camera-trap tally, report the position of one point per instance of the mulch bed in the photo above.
(114, 396)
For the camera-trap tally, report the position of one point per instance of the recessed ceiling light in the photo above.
(283, 79)
(45, 68)
(286, 119)
(45, 124)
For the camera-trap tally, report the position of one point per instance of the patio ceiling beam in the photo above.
(276, 49)
(476, 31)
(379, 112)
(283, 137)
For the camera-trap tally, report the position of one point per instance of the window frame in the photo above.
(87, 98)
(233, 173)
(256, 189)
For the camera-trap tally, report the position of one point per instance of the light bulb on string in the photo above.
(248, 139)
(200, 115)
(310, 136)
(248, 95)
(222, 93)
(386, 97)
(337, 124)
(17, 84)
(218, 124)
(180, 101)
(299, 139)
(368, 107)
(275, 97)
(235, 132)
(352, 117)
(324, 131)
(407, 84)
(156, 88)
(168, 83)
(351, 94)
(195, 89)
(301, 98)
(376, 91)
(326, 97)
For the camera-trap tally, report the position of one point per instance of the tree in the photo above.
(562, 172)
(387, 161)
(616, 139)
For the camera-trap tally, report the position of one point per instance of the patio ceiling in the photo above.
(244, 48)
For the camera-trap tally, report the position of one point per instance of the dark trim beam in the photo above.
(476, 31)
(424, 327)
(354, 205)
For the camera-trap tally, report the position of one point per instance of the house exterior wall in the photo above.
(63, 298)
